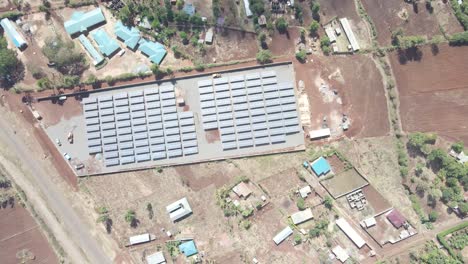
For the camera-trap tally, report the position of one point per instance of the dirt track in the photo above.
(434, 92)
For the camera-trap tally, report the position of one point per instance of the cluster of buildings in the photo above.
(334, 30)
(81, 23)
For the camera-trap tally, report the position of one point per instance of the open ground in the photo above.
(433, 91)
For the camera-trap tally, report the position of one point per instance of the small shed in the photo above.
(209, 36)
(330, 34)
(262, 21)
(340, 253)
(370, 222)
(13, 33)
(396, 218)
(189, 9)
(156, 258)
(179, 209)
(188, 248)
(138, 239)
(302, 216)
(319, 133)
(282, 235)
(242, 190)
(304, 191)
(320, 166)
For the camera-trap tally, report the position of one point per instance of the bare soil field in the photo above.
(344, 182)
(345, 8)
(20, 233)
(434, 92)
(359, 94)
(390, 15)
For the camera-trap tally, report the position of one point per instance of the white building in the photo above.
(320, 133)
(143, 238)
(179, 209)
(349, 33)
(350, 232)
(156, 258)
(281, 236)
(340, 253)
(302, 216)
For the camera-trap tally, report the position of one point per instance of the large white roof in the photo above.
(140, 239)
(302, 216)
(350, 232)
(179, 209)
(281, 236)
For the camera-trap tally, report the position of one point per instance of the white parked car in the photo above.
(67, 157)
(58, 142)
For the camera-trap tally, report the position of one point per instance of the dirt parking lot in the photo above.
(390, 15)
(21, 234)
(434, 92)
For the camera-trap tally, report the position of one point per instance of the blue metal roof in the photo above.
(80, 21)
(129, 35)
(188, 248)
(189, 9)
(106, 45)
(320, 166)
(97, 58)
(154, 50)
(15, 37)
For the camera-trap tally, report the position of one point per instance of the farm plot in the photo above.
(390, 15)
(434, 92)
(21, 239)
(344, 183)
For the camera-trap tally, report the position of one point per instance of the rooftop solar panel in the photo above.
(138, 93)
(206, 90)
(172, 131)
(208, 111)
(185, 115)
(245, 143)
(151, 91)
(259, 126)
(288, 100)
(174, 153)
(168, 102)
(207, 104)
(224, 109)
(261, 141)
(92, 121)
(105, 105)
(94, 128)
(166, 88)
(123, 102)
(226, 123)
(274, 124)
(112, 162)
(187, 129)
(142, 150)
(276, 116)
(157, 141)
(239, 85)
(269, 81)
(158, 155)
(169, 117)
(210, 125)
(266, 74)
(225, 116)
(241, 107)
(255, 98)
(94, 150)
(126, 152)
(239, 100)
(171, 124)
(257, 104)
(189, 143)
(222, 88)
(137, 129)
(285, 86)
(222, 95)
(227, 130)
(139, 114)
(122, 110)
(238, 92)
(290, 114)
(120, 96)
(122, 117)
(223, 102)
(169, 110)
(153, 105)
(254, 83)
(139, 121)
(210, 118)
(152, 98)
(272, 102)
(141, 135)
(254, 90)
(156, 133)
(236, 78)
(288, 107)
(122, 124)
(189, 136)
(125, 131)
(136, 100)
(206, 82)
(260, 133)
(94, 135)
(228, 138)
(126, 145)
(111, 155)
(190, 151)
(94, 143)
(90, 107)
(127, 160)
(241, 114)
(173, 138)
(91, 114)
(143, 157)
(105, 112)
(292, 129)
(89, 100)
(187, 122)
(107, 126)
(174, 145)
(277, 139)
(291, 122)
(153, 112)
(229, 145)
(252, 76)
(242, 121)
(108, 148)
(157, 147)
(109, 140)
(220, 80)
(286, 93)
(125, 138)
(274, 109)
(258, 111)
(155, 119)
(168, 96)
(108, 133)
(244, 135)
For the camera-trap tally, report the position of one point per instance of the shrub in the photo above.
(314, 26)
(301, 56)
(433, 216)
(301, 204)
(264, 56)
(458, 146)
(297, 239)
(281, 25)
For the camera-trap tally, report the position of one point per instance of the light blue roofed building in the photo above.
(106, 44)
(154, 50)
(97, 58)
(129, 35)
(13, 34)
(320, 166)
(188, 248)
(81, 22)
(189, 9)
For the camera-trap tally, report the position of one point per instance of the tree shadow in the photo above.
(135, 222)
(411, 54)
(109, 224)
(434, 49)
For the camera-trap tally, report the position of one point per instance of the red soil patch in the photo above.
(362, 93)
(434, 92)
(336, 164)
(19, 231)
(212, 135)
(384, 13)
(375, 199)
(55, 113)
(284, 44)
(340, 8)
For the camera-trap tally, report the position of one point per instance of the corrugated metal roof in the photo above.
(245, 143)
(106, 44)
(281, 236)
(222, 95)
(154, 50)
(13, 34)
(110, 148)
(236, 78)
(93, 53)
(191, 150)
(80, 22)
(129, 35)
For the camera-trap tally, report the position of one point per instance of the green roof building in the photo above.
(106, 44)
(129, 35)
(97, 58)
(154, 50)
(81, 22)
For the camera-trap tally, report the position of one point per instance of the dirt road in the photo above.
(50, 203)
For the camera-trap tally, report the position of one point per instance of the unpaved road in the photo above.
(50, 203)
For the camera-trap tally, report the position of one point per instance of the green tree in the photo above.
(458, 146)
(459, 39)
(315, 8)
(417, 140)
(301, 56)
(463, 207)
(325, 41)
(11, 68)
(313, 28)
(264, 56)
(44, 83)
(180, 4)
(297, 239)
(126, 14)
(433, 216)
(328, 202)
(301, 204)
(407, 42)
(281, 25)
(447, 195)
(262, 39)
(149, 208)
(130, 217)
(184, 37)
(68, 60)
(314, 232)
(70, 81)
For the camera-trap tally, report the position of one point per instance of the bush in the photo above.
(433, 216)
(328, 202)
(44, 83)
(247, 212)
(301, 204)
(281, 25)
(12, 15)
(458, 146)
(264, 56)
(301, 56)
(297, 239)
(184, 37)
(314, 26)
(246, 224)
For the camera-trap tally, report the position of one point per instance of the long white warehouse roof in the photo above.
(319, 133)
(302, 216)
(350, 232)
(349, 33)
(281, 236)
(140, 239)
